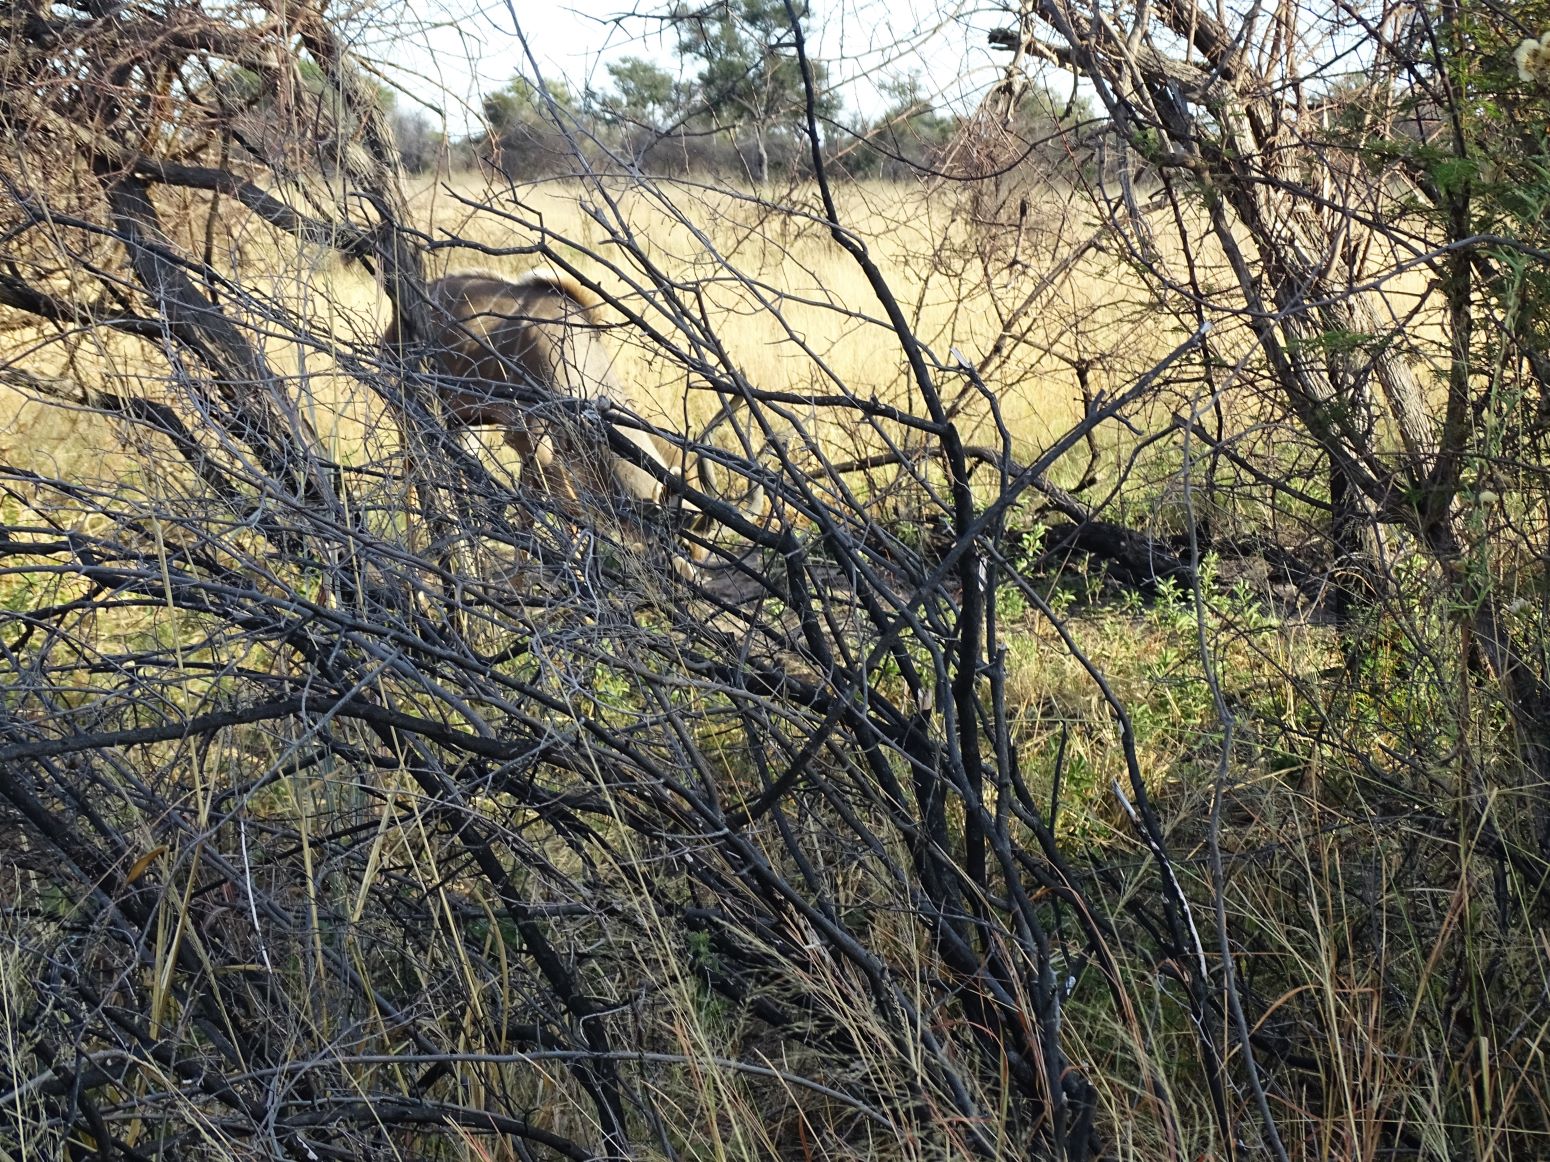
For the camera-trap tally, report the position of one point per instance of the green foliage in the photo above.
(748, 62)
(1488, 174)
(644, 94)
(521, 103)
(909, 134)
(910, 109)
(1340, 342)
(737, 104)
(241, 87)
(749, 77)
(1042, 110)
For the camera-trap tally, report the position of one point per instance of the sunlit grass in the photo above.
(794, 313)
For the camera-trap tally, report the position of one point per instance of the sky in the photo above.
(445, 53)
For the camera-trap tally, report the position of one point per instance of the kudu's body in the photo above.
(516, 355)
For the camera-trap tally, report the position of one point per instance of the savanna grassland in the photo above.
(792, 310)
(1049, 322)
(1110, 718)
(1050, 335)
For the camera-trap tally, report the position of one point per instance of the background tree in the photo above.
(421, 145)
(649, 115)
(909, 135)
(749, 80)
(644, 96)
(532, 130)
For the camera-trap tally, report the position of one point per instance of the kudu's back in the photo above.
(510, 354)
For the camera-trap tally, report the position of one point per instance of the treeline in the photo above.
(649, 121)
(736, 107)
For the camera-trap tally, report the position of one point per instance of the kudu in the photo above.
(517, 354)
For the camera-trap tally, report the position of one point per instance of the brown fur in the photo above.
(541, 334)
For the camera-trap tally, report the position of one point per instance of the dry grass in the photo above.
(795, 314)
(793, 311)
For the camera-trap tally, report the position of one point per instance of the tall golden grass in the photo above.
(792, 310)
(795, 314)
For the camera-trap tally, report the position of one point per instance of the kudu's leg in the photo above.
(699, 527)
(539, 467)
(642, 486)
(543, 474)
